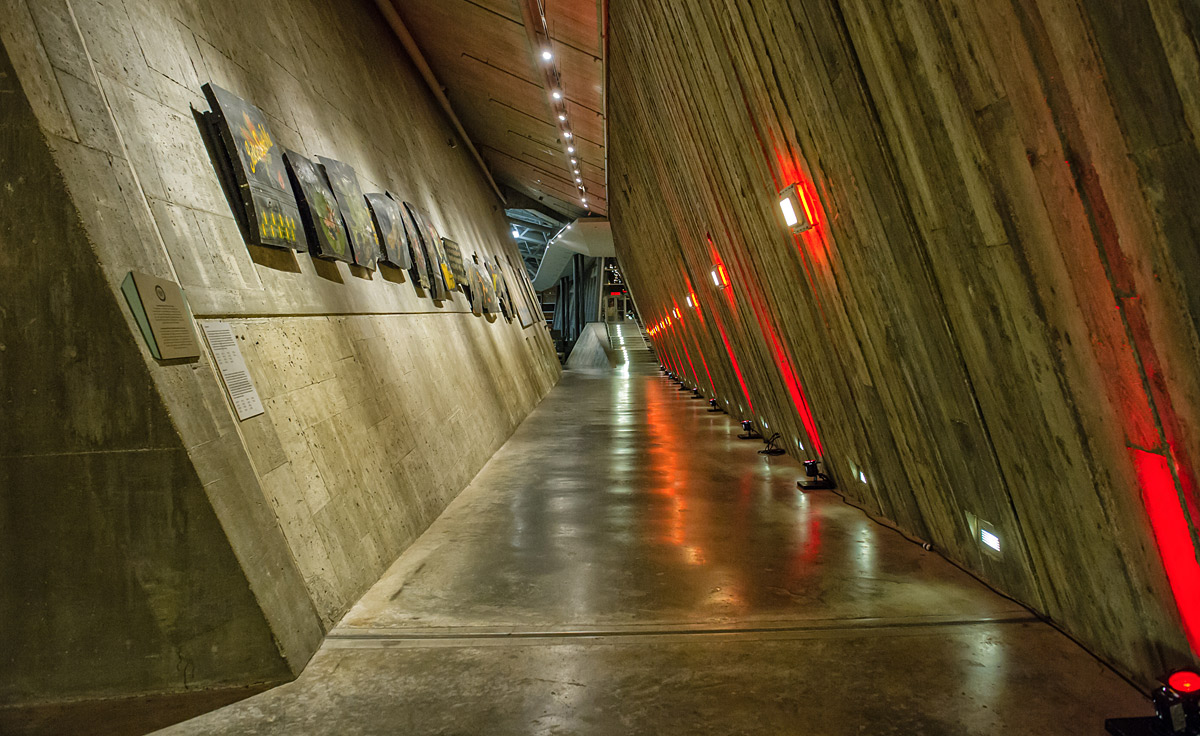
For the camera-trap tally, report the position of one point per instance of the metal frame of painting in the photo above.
(269, 213)
(344, 182)
(321, 215)
(389, 223)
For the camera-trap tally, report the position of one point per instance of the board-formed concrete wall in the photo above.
(151, 542)
(996, 314)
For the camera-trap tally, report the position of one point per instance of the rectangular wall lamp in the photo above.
(796, 213)
(720, 277)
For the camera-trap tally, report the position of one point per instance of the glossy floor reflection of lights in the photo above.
(625, 565)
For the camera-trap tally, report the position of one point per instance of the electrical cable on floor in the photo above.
(772, 446)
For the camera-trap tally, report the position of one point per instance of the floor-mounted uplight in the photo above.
(797, 215)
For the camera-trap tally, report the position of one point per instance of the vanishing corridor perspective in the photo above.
(559, 366)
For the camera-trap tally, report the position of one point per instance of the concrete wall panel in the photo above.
(380, 404)
(993, 316)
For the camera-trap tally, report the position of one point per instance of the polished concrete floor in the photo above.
(625, 565)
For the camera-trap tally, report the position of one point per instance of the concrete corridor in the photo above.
(625, 565)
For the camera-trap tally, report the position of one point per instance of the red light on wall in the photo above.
(720, 276)
(1184, 682)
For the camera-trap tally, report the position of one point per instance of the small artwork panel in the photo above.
(438, 269)
(321, 215)
(269, 213)
(416, 249)
(389, 225)
(455, 259)
(525, 311)
(353, 205)
(501, 285)
(473, 286)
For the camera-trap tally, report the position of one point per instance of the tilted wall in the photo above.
(153, 542)
(996, 313)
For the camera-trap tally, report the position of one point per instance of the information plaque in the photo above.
(232, 367)
(162, 315)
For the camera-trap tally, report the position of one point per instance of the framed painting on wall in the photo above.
(528, 310)
(389, 225)
(353, 205)
(416, 249)
(440, 279)
(269, 213)
(454, 259)
(320, 214)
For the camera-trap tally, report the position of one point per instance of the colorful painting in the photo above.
(389, 225)
(473, 288)
(353, 205)
(420, 261)
(440, 279)
(321, 215)
(269, 214)
(492, 275)
(454, 259)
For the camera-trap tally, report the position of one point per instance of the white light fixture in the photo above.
(578, 180)
(720, 277)
(583, 199)
(991, 540)
(567, 133)
(570, 149)
(574, 161)
(690, 303)
(556, 95)
(547, 55)
(797, 214)
(515, 233)
(862, 477)
(562, 117)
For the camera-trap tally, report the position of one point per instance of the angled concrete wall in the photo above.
(152, 543)
(995, 316)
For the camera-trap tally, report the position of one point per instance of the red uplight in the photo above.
(1184, 682)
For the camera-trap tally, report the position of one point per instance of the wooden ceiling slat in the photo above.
(481, 52)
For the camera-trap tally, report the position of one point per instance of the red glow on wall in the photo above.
(1174, 539)
(736, 368)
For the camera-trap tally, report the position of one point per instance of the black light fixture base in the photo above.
(824, 483)
(1147, 726)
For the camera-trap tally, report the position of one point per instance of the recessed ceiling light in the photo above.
(567, 133)
(562, 117)
(570, 149)
(547, 55)
(556, 95)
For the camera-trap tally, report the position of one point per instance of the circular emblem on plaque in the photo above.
(160, 293)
